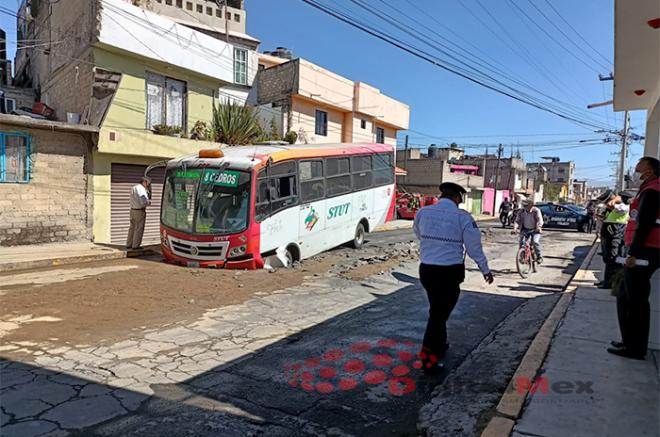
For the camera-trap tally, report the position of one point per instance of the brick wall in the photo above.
(277, 83)
(55, 206)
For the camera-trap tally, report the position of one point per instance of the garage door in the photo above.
(122, 179)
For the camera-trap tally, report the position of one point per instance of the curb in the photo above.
(56, 262)
(511, 403)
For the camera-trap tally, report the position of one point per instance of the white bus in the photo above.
(245, 207)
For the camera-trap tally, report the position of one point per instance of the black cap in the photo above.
(451, 188)
(606, 195)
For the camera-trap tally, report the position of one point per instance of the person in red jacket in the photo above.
(642, 239)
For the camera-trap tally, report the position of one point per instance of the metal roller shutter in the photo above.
(122, 179)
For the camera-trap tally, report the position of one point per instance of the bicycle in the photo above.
(526, 257)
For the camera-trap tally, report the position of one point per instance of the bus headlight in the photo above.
(238, 251)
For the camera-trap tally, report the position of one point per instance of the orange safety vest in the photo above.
(653, 239)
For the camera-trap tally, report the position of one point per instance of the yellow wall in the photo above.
(304, 118)
(126, 121)
(128, 110)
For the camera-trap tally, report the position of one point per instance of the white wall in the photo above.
(135, 30)
(652, 143)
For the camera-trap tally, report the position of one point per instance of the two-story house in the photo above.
(554, 173)
(323, 107)
(131, 72)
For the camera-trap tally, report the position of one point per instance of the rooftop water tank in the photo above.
(433, 151)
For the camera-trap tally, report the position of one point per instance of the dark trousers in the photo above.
(611, 270)
(611, 242)
(442, 285)
(633, 308)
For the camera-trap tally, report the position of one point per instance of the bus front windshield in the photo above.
(206, 201)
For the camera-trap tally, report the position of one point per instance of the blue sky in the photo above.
(451, 108)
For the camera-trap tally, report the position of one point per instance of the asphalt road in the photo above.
(331, 357)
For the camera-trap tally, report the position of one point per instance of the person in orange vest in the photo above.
(642, 239)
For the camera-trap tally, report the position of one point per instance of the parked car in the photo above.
(564, 216)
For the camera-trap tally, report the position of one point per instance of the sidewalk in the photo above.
(394, 225)
(590, 392)
(48, 255)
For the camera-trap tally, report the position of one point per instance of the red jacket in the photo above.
(651, 221)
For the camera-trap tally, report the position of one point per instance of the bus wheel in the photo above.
(358, 240)
(289, 258)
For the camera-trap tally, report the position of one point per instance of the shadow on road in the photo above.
(354, 373)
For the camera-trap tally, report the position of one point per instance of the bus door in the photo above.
(312, 212)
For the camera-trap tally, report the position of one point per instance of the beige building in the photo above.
(323, 107)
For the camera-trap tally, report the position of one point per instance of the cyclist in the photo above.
(505, 209)
(530, 221)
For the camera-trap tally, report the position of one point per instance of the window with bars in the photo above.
(240, 66)
(166, 101)
(14, 157)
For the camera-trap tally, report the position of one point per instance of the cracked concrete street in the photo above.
(330, 356)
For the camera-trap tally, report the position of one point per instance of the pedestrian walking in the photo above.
(505, 211)
(642, 240)
(140, 199)
(611, 236)
(445, 233)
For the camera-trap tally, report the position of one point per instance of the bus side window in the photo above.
(361, 172)
(263, 198)
(338, 176)
(383, 169)
(284, 192)
(312, 184)
(276, 190)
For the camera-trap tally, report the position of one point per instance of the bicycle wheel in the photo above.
(523, 264)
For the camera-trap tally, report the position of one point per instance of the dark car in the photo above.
(564, 216)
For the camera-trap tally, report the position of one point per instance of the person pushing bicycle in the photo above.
(530, 221)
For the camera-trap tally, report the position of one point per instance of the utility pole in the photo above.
(621, 182)
(405, 160)
(500, 149)
(220, 4)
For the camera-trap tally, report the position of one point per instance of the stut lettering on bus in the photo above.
(339, 210)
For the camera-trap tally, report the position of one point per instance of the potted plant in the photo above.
(201, 131)
(163, 129)
(291, 137)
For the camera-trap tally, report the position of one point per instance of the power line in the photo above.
(420, 54)
(577, 33)
(477, 60)
(553, 24)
